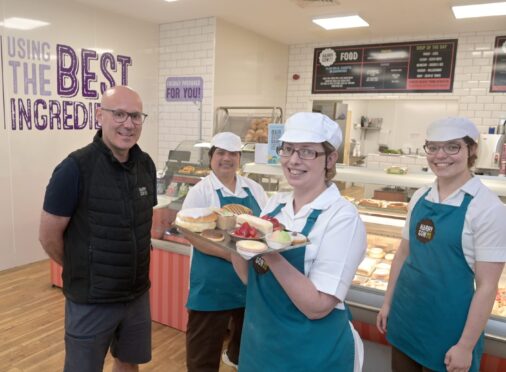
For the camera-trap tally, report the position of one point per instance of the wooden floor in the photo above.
(31, 327)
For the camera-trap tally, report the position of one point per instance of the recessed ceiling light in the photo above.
(22, 23)
(479, 10)
(335, 23)
(171, 1)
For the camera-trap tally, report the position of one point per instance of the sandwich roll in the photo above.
(366, 267)
(264, 226)
(237, 209)
(196, 219)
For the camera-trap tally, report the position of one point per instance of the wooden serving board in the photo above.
(229, 243)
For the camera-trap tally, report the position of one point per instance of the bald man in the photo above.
(96, 223)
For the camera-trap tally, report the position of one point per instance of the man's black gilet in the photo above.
(107, 241)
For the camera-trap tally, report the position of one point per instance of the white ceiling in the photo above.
(287, 22)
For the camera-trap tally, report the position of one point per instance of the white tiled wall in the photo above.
(470, 88)
(414, 164)
(187, 48)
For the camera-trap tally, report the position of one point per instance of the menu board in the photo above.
(418, 66)
(498, 80)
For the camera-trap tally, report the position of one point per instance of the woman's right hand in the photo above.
(382, 318)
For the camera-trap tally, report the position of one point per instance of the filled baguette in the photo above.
(263, 226)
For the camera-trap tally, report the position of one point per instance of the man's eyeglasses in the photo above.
(448, 148)
(305, 154)
(120, 116)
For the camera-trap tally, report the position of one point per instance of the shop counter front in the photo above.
(169, 271)
(169, 274)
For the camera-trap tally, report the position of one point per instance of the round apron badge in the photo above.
(260, 266)
(425, 230)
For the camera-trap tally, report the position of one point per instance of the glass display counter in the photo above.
(384, 220)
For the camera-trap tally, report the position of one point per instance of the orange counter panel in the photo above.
(169, 273)
(169, 288)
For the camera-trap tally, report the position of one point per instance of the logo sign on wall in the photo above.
(418, 66)
(55, 87)
(188, 88)
(498, 80)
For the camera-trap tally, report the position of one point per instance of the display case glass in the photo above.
(381, 199)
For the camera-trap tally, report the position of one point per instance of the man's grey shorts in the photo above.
(91, 328)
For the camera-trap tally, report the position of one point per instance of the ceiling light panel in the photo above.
(479, 10)
(22, 23)
(335, 23)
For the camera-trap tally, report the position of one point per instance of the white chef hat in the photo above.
(450, 128)
(312, 127)
(227, 141)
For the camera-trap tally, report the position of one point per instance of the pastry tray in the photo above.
(382, 211)
(229, 243)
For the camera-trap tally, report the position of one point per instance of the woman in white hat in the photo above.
(216, 293)
(454, 241)
(295, 316)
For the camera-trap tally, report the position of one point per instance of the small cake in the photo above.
(376, 252)
(383, 266)
(213, 235)
(389, 256)
(251, 246)
(278, 239)
(381, 274)
(298, 238)
(226, 219)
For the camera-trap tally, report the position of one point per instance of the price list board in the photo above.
(498, 80)
(418, 66)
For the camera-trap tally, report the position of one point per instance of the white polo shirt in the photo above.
(484, 233)
(204, 195)
(337, 241)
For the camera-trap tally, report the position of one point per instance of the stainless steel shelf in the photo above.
(378, 177)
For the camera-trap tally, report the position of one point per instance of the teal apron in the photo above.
(435, 287)
(277, 337)
(214, 285)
